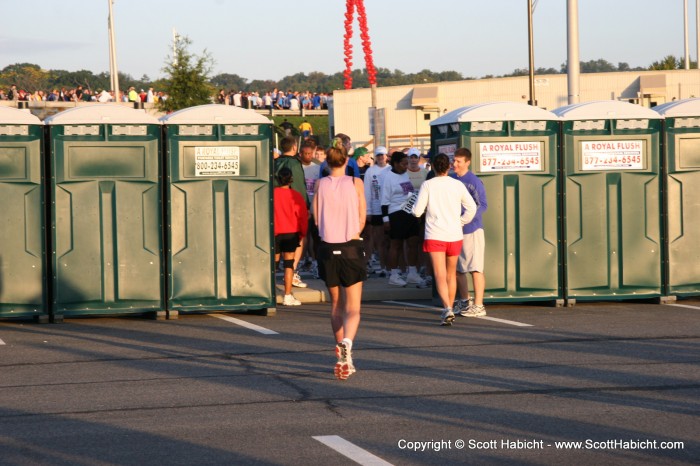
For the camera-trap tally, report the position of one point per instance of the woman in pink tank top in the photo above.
(339, 211)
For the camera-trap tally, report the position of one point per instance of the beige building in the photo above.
(408, 110)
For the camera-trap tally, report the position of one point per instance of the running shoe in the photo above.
(474, 311)
(344, 367)
(447, 317)
(415, 279)
(396, 280)
(462, 305)
(296, 281)
(290, 300)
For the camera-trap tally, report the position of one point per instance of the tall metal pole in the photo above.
(531, 53)
(376, 128)
(686, 58)
(113, 72)
(697, 32)
(573, 63)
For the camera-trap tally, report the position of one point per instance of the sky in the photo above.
(270, 39)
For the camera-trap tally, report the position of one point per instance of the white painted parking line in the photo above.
(503, 321)
(422, 306)
(245, 324)
(685, 305)
(352, 451)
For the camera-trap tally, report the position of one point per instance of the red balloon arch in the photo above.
(366, 43)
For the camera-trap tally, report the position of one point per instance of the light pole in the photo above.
(686, 59)
(531, 48)
(573, 64)
(114, 74)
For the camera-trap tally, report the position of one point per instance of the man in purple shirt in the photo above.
(471, 260)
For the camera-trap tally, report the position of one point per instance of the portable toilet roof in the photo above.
(102, 113)
(605, 109)
(216, 114)
(13, 116)
(495, 111)
(679, 108)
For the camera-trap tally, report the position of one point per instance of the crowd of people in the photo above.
(406, 216)
(275, 99)
(82, 94)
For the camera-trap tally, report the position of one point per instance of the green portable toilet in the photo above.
(22, 225)
(514, 153)
(220, 238)
(612, 184)
(682, 201)
(106, 211)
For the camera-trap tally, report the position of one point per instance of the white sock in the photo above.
(395, 271)
(347, 342)
(412, 270)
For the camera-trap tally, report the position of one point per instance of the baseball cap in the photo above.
(380, 150)
(359, 152)
(413, 152)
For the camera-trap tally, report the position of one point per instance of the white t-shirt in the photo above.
(396, 189)
(448, 205)
(417, 177)
(312, 172)
(374, 177)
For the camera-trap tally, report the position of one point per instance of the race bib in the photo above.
(408, 204)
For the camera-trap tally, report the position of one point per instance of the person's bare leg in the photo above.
(479, 287)
(463, 286)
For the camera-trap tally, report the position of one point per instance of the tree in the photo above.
(26, 76)
(229, 81)
(187, 82)
(669, 62)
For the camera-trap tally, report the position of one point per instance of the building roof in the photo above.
(214, 114)
(495, 111)
(604, 109)
(101, 113)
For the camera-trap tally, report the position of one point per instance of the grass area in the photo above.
(318, 123)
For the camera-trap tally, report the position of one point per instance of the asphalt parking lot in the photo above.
(598, 383)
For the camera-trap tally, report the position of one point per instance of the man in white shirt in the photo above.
(374, 177)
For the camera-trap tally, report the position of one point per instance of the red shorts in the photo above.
(450, 248)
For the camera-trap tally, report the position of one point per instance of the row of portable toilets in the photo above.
(596, 201)
(107, 210)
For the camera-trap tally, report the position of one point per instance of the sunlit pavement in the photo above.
(205, 390)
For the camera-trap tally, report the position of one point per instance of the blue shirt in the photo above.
(352, 169)
(478, 192)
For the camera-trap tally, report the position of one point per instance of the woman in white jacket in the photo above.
(448, 206)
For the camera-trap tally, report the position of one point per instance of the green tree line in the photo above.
(32, 77)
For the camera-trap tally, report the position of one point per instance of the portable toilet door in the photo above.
(106, 215)
(682, 194)
(612, 226)
(23, 290)
(220, 238)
